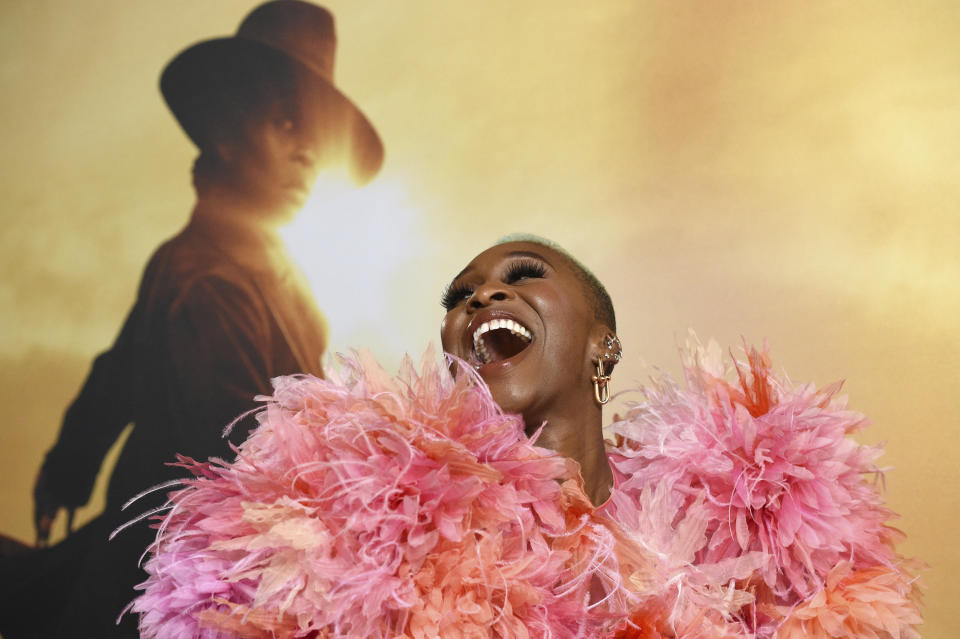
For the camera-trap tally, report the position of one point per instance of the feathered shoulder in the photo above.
(371, 506)
(741, 478)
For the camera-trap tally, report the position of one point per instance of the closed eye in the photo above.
(454, 294)
(524, 269)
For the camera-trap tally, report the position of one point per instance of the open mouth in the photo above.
(499, 339)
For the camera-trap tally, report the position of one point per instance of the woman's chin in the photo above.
(511, 394)
(513, 381)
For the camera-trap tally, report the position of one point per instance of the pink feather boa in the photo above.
(769, 490)
(365, 506)
(368, 506)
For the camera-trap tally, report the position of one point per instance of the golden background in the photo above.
(787, 171)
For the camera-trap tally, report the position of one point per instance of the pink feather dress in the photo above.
(741, 477)
(412, 507)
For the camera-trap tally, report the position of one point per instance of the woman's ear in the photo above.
(605, 347)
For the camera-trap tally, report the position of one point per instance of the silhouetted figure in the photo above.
(220, 310)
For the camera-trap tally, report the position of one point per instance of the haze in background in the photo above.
(784, 171)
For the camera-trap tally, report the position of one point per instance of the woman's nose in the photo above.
(487, 293)
(305, 156)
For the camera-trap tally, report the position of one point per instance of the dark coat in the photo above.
(220, 311)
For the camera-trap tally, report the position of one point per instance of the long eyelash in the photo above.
(524, 268)
(454, 294)
(517, 270)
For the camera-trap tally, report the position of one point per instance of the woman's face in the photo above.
(275, 162)
(519, 314)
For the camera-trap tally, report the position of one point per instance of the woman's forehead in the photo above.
(511, 250)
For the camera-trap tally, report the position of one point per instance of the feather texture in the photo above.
(780, 494)
(366, 506)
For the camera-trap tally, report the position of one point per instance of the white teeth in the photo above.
(514, 327)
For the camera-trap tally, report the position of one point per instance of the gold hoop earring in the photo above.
(601, 384)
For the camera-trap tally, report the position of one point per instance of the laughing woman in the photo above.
(488, 504)
(541, 332)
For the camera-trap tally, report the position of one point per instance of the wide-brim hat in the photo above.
(279, 41)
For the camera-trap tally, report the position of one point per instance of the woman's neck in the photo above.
(217, 199)
(246, 239)
(580, 438)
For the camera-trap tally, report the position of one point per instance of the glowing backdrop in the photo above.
(788, 171)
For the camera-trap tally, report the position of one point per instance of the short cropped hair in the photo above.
(594, 290)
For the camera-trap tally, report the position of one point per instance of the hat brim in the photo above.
(205, 78)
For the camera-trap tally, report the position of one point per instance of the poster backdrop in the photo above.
(787, 171)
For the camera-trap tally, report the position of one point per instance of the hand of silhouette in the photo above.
(45, 509)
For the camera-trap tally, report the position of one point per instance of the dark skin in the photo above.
(549, 381)
(269, 168)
